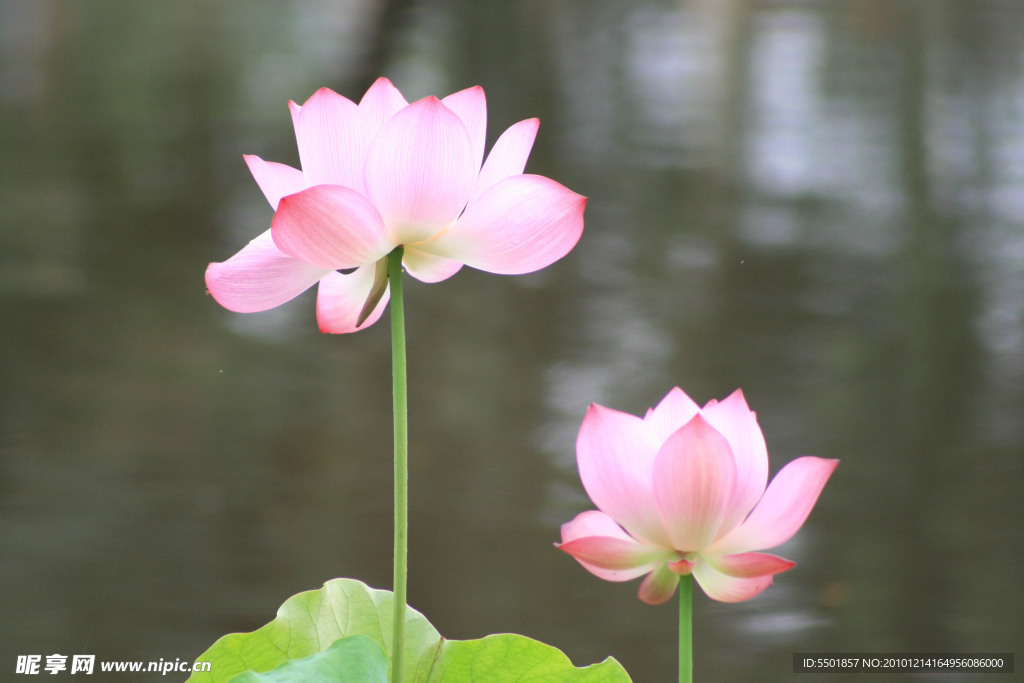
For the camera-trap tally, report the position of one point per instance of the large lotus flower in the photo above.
(383, 174)
(681, 491)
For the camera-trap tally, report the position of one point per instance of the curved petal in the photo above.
(614, 554)
(471, 106)
(276, 180)
(419, 170)
(616, 459)
(294, 109)
(508, 156)
(260, 277)
(521, 224)
(782, 510)
(591, 524)
(330, 226)
(725, 588)
(749, 565)
(738, 424)
(332, 140)
(340, 298)
(671, 413)
(379, 104)
(427, 267)
(659, 585)
(694, 476)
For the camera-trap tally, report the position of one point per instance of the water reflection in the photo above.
(819, 202)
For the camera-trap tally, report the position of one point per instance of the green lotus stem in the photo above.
(686, 629)
(401, 416)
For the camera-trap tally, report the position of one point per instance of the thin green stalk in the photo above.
(400, 409)
(686, 629)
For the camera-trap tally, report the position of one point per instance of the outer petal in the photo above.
(613, 554)
(471, 106)
(519, 225)
(332, 140)
(725, 588)
(674, 411)
(276, 180)
(260, 277)
(782, 510)
(749, 565)
(738, 424)
(508, 156)
(694, 476)
(341, 297)
(659, 585)
(419, 170)
(616, 461)
(594, 524)
(427, 267)
(330, 226)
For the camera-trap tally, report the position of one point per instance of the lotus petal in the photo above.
(419, 171)
(341, 297)
(671, 413)
(276, 180)
(738, 424)
(595, 524)
(616, 460)
(520, 224)
(471, 106)
(782, 510)
(332, 140)
(694, 475)
(427, 267)
(658, 586)
(748, 565)
(260, 277)
(725, 588)
(379, 104)
(508, 156)
(330, 226)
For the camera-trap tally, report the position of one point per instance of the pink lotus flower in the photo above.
(682, 491)
(383, 174)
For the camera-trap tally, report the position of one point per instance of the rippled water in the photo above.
(818, 202)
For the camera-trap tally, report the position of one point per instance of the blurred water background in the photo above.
(819, 202)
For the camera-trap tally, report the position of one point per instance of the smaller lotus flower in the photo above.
(385, 173)
(682, 491)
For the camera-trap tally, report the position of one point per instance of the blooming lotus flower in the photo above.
(385, 173)
(682, 491)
